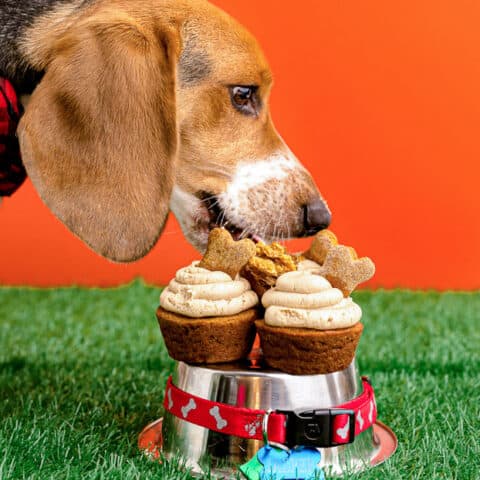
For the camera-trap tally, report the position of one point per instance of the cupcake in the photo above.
(309, 326)
(207, 315)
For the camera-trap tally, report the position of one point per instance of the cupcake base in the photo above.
(302, 351)
(208, 340)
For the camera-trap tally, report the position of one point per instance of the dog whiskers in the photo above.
(274, 232)
(207, 199)
(264, 231)
(213, 205)
(283, 234)
(288, 231)
(221, 220)
(245, 233)
(267, 226)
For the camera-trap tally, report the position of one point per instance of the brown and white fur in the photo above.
(134, 116)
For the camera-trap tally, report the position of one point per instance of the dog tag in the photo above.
(300, 463)
(252, 470)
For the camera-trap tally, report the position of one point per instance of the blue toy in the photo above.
(273, 463)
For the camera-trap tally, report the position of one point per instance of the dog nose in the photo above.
(316, 217)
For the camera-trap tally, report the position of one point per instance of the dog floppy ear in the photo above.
(99, 135)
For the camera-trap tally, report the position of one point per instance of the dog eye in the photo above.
(245, 99)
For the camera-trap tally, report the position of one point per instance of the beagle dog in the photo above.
(139, 107)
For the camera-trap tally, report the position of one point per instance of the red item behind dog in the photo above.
(12, 171)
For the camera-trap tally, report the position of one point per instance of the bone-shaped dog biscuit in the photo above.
(344, 270)
(226, 255)
(321, 245)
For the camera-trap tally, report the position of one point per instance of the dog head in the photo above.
(146, 107)
(233, 168)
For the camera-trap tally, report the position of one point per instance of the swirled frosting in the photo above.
(303, 299)
(197, 292)
(309, 266)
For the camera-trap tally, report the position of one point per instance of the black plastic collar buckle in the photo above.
(315, 427)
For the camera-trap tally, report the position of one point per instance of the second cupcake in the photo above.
(312, 325)
(309, 327)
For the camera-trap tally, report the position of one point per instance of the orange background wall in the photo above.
(380, 100)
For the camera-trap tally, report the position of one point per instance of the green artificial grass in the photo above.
(82, 372)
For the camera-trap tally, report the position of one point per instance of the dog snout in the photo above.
(316, 217)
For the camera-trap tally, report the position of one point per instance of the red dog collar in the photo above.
(12, 172)
(318, 428)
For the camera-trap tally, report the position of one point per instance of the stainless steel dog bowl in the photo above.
(205, 451)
